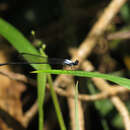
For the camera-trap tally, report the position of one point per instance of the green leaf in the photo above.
(119, 80)
(56, 104)
(18, 41)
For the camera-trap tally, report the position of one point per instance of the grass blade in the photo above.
(56, 104)
(21, 44)
(118, 80)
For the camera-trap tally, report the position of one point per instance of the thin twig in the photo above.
(18, 77)
(29, 114)
(119, 35)
(120, 106)
(86, 97)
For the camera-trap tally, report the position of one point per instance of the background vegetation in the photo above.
(94, 32)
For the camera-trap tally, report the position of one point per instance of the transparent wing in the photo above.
(38, 59)
(34, 58)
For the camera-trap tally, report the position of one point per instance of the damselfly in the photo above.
(37, 59)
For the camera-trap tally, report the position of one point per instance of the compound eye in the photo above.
(76, 62)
